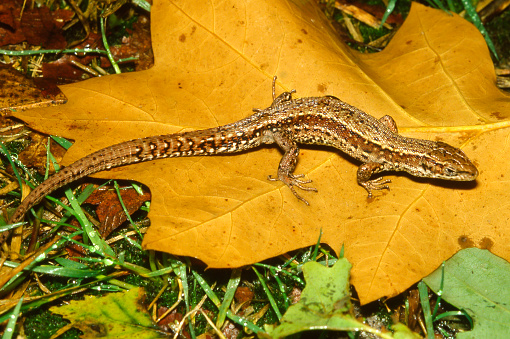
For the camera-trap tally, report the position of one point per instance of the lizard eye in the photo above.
(450, 171)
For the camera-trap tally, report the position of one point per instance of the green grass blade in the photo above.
(124, 208)
(425, 305)
(389, 10)
(60, 271)
(39, 301)
(471, 12)
(316, 247)
(438, 4)
(9, 330)
(11, 226)
(8, 155)
(233, 282)
(62, 141)
(216, 301)
(100, 246)
(268, 293)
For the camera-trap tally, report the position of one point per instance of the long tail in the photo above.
(205, 142)
(113, 156)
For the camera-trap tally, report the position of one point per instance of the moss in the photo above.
(44, 324)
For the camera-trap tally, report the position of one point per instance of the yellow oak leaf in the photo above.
(214, 62)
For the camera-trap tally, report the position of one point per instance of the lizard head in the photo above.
(447, 162)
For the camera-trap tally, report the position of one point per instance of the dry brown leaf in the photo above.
(214, 64)
(21, 93)
(109, 210)
(38, 26)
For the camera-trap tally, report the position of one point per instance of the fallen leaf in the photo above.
(36, 154)
(171, 321)
(244, 295)
(64, 71)
(109, 210)
(472, 282)
(325, 305)
(414, 314)
(116, 315)
(212, 66)
(138, 45)
(21, 93)
(38, 26)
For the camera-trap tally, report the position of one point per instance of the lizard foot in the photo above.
(292, 180)
(376, 184)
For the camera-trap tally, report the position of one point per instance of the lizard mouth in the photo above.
(468, 174)
(472, 175)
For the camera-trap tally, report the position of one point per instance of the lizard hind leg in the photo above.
(277, 100)
(390, 123)
(287, 166)
(285, 96)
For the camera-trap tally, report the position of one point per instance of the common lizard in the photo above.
(287, 122)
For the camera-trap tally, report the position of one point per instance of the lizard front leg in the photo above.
(365, 171)
(288, 164)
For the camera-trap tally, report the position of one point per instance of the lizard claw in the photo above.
(292, 180)
(376, 184)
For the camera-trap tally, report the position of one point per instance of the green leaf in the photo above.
(477, 281)
(325, 305)
(116, 315)
(71, 263)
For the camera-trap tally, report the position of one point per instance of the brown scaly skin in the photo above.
(287, 122)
